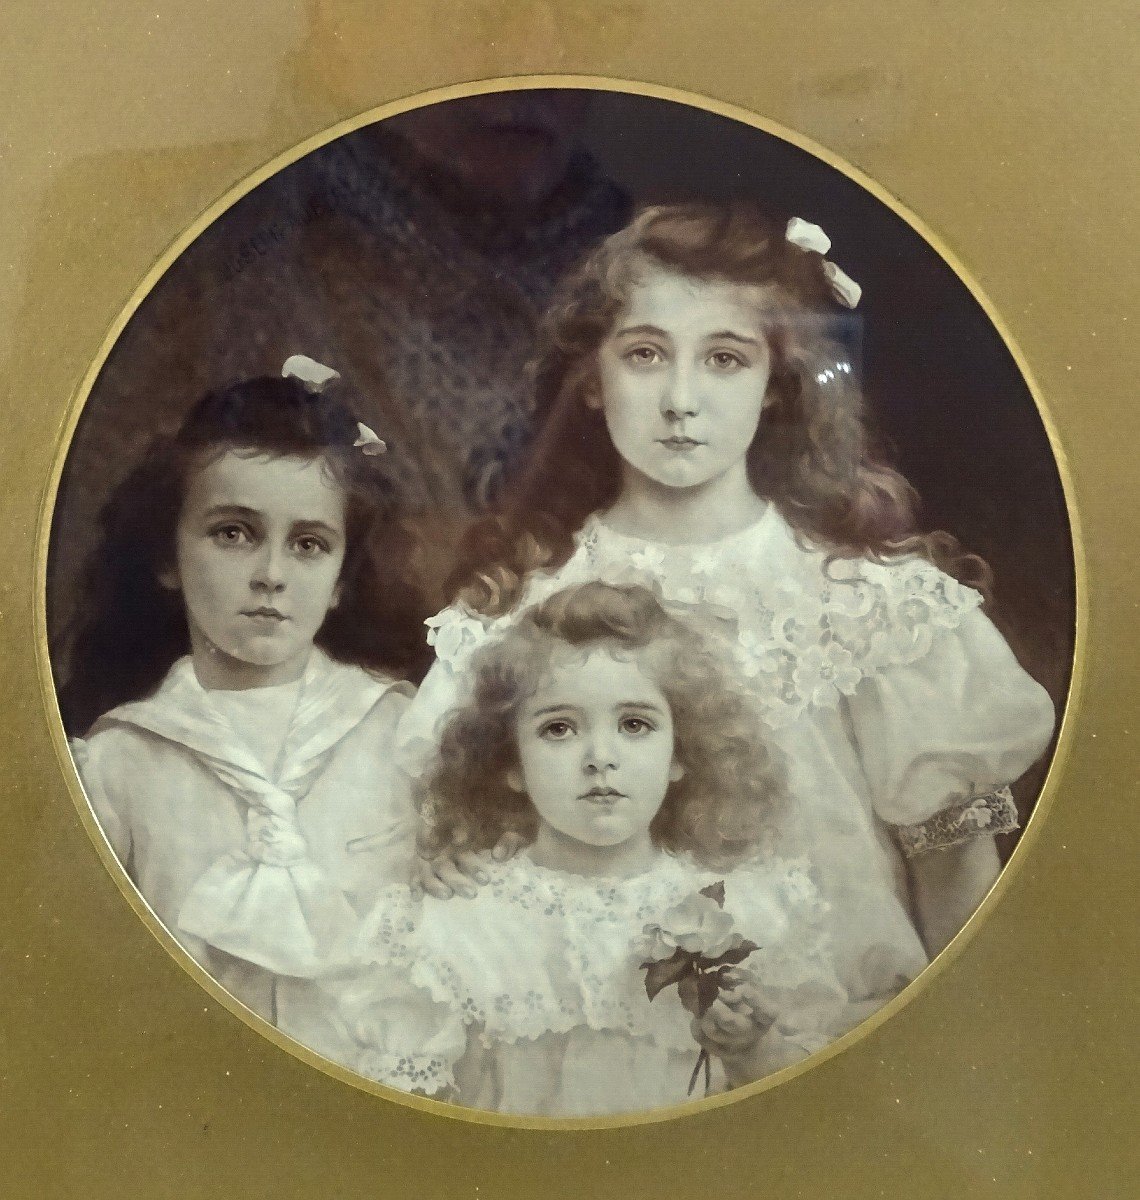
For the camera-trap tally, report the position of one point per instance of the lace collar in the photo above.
(803, 626)
(540, 951)
(536, 951)
(596, 532)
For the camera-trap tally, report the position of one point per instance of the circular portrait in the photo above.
(562, 601)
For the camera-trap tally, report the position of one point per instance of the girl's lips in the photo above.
(602, 795)
(267, 614)
(680, 443)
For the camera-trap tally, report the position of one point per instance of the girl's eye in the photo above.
(556, 731)
(636, 726)
(726, 361)
(643, 356)
(311, 547)
(231, 535)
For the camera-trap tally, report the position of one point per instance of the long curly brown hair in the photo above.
(731, 783)
(811, 456)
(131, 629)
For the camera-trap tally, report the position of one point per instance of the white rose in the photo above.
(697, 925)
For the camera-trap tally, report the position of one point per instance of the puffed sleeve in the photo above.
(389, 1028)
(95, 759)
(396, 1034)
(778, 906)
(942, 737)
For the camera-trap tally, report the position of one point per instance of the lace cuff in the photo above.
(978, 816)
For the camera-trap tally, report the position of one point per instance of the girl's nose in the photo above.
(269, 570)
(679, 399)
(600, 755)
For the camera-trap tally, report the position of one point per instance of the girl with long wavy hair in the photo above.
(700, 428)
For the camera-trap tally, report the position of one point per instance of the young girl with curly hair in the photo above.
(231, 680)
(699, 428)
(607, 735)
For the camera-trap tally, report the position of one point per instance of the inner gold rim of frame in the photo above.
(78, 401)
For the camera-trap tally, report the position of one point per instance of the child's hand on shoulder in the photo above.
(734, 1027)
(457, 871)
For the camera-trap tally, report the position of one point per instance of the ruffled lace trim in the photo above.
(596, 926)
(804, 630)
(424, 1073)
(602, 987)
(979, 816)
(506, 1016)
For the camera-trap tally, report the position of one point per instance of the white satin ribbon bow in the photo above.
(807, 236)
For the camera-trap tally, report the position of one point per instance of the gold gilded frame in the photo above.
(172, 946)
(898, 1110)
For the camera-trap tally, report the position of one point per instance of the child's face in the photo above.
(684, 373)
(596, 747)
(259, 546)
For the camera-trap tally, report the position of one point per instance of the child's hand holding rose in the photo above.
(735, 1026)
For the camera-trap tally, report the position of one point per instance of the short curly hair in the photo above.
(717, 811)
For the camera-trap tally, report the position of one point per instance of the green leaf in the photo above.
(715, 891)
(729, 957)
(660, 975)
(708, 988)
(689, 992)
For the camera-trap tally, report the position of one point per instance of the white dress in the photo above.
(257, 870)
(530, 997)
(901, 711)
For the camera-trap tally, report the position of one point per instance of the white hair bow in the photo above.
(807, 236)
(314, 375)
(367, 442)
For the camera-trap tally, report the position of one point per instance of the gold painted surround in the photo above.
(1015, 147)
